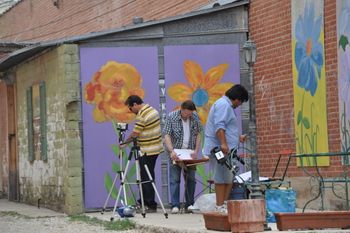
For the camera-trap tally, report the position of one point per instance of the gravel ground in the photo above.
(19, 224)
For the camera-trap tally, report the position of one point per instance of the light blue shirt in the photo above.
(221, 116)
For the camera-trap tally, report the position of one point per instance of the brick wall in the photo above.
(270, 28)
(41, 20)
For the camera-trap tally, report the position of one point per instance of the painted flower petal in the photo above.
(299, 31)
(98, 115)
(110, 87)
(217, 91)
(193, 74)
(214, 75)
(180, 92)
(316, 30)
(317, 54)
(202, 114)
(307, 77)
(300, 52)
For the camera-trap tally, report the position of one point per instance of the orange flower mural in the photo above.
(203, 89)
(109, 88)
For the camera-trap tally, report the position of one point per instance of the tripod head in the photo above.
(122, 127)
(135, 149)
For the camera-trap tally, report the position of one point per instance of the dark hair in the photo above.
(237, 92)
(133, 99)
(189, 105)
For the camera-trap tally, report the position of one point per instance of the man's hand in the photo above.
(174, 156)
(194, 155)
(224, 148)
(243, 138)
(122, 146)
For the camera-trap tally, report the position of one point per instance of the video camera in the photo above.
(230, 160)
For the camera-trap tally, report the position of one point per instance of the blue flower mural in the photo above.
(308, 49)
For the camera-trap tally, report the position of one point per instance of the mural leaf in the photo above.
(306, 123)
(343, 41)
(108, 185)
(115, 167)
(115, 149)
(201, 171)
(300, 116)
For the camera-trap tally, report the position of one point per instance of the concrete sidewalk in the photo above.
(153, 222)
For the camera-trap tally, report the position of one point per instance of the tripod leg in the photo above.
(119, 191)
(109, 194)
(138, 181)
(155, 190)
(122, 176)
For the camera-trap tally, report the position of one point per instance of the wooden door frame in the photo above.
(13, 178)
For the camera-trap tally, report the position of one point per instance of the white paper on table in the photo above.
(247, 177)
(183, 154)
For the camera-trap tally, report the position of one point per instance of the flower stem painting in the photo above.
(343, 35)
(309, 82)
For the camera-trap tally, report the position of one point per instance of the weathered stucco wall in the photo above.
(57, 182)
(307, 189)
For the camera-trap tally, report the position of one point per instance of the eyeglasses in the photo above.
(130, 108)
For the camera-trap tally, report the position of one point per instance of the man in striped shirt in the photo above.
(148, 133)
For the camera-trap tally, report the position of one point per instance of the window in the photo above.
(36, 117)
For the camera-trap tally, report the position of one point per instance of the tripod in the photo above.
(121, 134)
(136, 153)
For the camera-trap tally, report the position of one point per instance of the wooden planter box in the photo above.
(216, 221)
(313, 220)
(246, 215)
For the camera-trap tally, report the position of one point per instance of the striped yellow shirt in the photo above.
(148, 127)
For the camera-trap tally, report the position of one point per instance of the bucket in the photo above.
(238, 192)
(246, 215)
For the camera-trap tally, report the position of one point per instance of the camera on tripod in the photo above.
(122, 126)
(230, 160)
(219, 155)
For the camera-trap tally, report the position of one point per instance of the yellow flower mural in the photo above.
(109, 88)
(202, 89)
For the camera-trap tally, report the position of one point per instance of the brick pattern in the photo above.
(45, 21)
(274, 85)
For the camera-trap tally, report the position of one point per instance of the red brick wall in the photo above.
(270, 28)
(41, 20)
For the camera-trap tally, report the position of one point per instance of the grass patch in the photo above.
(13, 214)
(117, 225)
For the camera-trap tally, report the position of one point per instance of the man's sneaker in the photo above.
(175, 210)
(221, 209)
(191, 209)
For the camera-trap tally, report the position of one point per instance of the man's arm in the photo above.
(197, 147)
(169, 146)
(220, 133)
(129, 139)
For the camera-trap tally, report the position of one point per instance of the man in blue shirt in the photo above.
(182, 131)
(222, 131)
